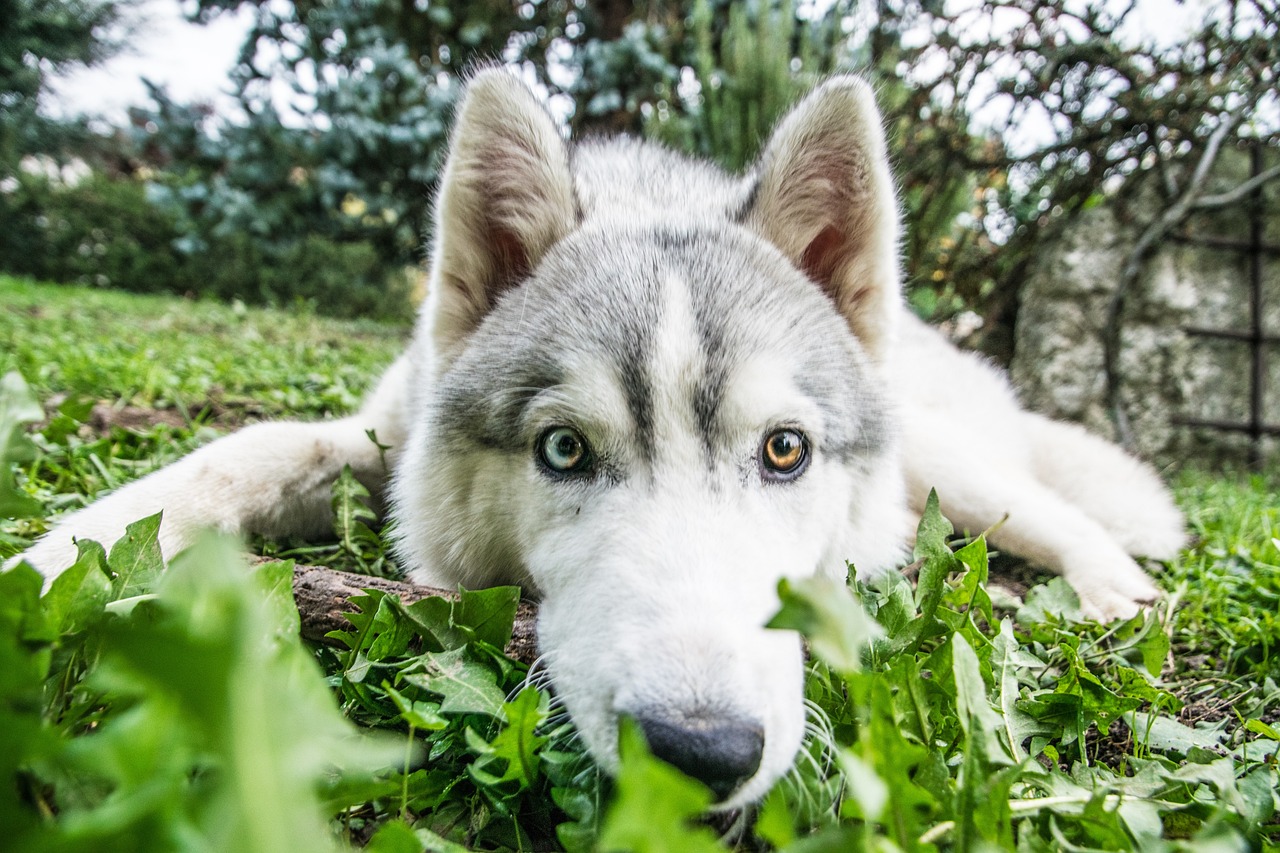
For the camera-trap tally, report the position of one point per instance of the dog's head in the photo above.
(652, 391)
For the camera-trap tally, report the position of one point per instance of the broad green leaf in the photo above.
(518, 744)
(981, 724)
(25, 636)
(135, 558)
(1100, 702)
(831, 617)
(389, 632)
(1154, 645)
(205, 749)
(896, 608)
(1261, 728)
(933, 531)
(1259, 791)
(397, 837)
(77, 597)
(18, 407)
(773, 820)
(1015, 724)
(936, 563)
(486, 615)
(654, 804)
(1054, 600)
(1062, 715)
(466, 684)
(579, 833)
(351, 513)
(394, 837)
(971, 592)
(1169, 735)
(420, 715)
(275, 580)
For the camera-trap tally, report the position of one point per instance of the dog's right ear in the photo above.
(506, 197)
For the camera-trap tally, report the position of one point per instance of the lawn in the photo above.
(179, 710)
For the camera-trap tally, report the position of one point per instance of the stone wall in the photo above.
(1167, 374)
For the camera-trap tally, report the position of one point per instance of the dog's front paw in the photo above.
(1112, 589)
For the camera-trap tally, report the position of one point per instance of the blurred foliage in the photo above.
(39, 38)
(939, 718)
(109, 232)
(1005, 117)
(1075, 106)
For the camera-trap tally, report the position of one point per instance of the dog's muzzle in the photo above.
(721, 753)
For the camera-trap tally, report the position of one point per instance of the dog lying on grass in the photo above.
(645, 391)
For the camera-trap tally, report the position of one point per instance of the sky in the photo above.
(193, 60)
(190, 59)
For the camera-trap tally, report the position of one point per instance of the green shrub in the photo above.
(339, 279)
(106, 232)
(102, 232)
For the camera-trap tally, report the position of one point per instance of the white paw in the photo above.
(1112, 589)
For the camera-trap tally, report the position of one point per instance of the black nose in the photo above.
(721, 753)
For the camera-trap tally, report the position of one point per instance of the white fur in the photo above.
(1061, 497)
(656, 580)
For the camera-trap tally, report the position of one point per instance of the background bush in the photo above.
(107, 231)
(103, 231)
(1005, 118)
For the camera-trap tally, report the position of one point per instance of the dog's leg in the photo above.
(270, 478)
(1121, 493)
(1041, 526)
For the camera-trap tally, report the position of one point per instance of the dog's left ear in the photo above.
(824, 196)
(506, 197)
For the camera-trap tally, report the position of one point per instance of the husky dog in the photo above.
(645, 391)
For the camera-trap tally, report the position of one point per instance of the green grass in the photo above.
(164, 352)
(178, 710)
(201, 364)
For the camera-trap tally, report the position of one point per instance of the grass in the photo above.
(142, 709)
(161, 352)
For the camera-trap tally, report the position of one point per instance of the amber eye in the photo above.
(784, 454)
(564, 450)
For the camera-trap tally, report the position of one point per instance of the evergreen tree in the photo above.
(39, 38)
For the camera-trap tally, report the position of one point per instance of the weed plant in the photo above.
(144, 708)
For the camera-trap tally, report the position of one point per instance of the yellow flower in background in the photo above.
(353, 206)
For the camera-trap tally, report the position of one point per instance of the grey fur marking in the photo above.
(598, 294)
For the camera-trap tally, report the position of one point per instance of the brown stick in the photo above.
(323, 595)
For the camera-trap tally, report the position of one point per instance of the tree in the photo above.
(345, 107)
(1115, 114)
(39, 38)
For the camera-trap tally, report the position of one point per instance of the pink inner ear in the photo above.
(822, 257)
(510, 261)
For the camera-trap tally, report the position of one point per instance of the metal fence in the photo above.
(1258, 251)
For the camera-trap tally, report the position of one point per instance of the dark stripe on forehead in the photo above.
(689, 263)
(632, 341)
(709, 390)
(635, 385)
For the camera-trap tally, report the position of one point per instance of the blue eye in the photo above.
(564, 450)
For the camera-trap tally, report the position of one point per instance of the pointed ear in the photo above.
(825, 198)
(505, 198)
